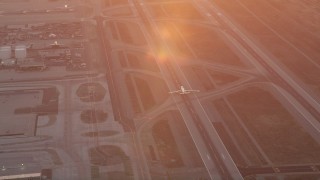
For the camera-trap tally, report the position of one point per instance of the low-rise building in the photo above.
(20, 52)
(5, 52)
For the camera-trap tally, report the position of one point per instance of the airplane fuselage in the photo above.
(182, 90)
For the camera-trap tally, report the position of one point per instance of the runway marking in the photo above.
(208, 156)
(314, 168)
(215, 156)
(222, 169)
(210, 147)
(223, 156)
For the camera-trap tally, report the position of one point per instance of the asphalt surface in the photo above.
(214, 154)
(274, 76)
(279, 169)
(211, 153)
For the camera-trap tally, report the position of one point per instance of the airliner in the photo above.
(182, 90)
(56, 44)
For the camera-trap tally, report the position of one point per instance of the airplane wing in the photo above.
(171, 92)
(192, 91)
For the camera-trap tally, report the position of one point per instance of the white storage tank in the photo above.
(21, 52)
(5, 52)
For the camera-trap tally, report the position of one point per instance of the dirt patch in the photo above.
(100, 134)
(285, 177)
(176, 10)
(108, 3)
(50, 102)
(145, 93)
(208, 44)
(54, 156)
(166, 145)
(242, 139)
(130, 33)
(174, 39)
(133, 95)
(91, 92)
(202, 77)
(119, 175)
(124, 11)
(138, 60)
(142, 61)
(282, 139)
(107, 155)
(301, 53)
(222, 78)
(114, 32)
(93, 116)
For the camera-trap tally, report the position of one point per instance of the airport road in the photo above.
(275, 73)
(217, 160)
(68, 136)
